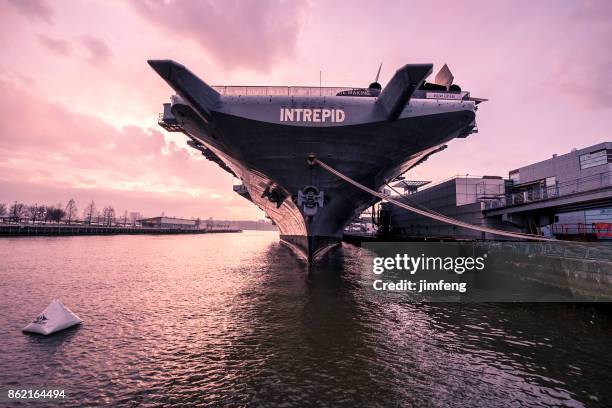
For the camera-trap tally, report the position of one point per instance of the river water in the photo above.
(237, 320)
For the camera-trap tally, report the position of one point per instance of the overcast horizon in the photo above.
(80, 103)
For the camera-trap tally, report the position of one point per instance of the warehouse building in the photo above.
(169, 222)
(461, 197)
(582, 173)
(568, 196)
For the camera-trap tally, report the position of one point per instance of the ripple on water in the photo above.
(235, 319)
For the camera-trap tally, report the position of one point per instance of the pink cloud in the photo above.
(586, 83)
(99, 52)
(593, 11)
(252, 34)
(57, 46)
(147, 203)
(583, 73)
(51, 149)
(545, 72)
(33, 9)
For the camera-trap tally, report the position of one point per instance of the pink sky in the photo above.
(79, 102)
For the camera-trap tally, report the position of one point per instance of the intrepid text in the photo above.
(316, 115)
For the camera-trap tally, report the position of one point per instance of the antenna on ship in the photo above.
(375, 84)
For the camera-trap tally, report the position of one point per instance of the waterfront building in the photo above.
(568, 196)
(169, 222)
(461, 197)
(582, 173)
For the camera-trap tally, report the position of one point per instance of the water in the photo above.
(236, 320)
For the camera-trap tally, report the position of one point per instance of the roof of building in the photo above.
(573, 152)
(410, 183)
(163, 218)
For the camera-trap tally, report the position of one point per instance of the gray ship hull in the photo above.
(265, 135)
(271, 161)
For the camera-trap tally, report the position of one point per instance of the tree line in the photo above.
(68, 214)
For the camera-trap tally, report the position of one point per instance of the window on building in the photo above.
(594, 159)
(552, 188)
(514, 176)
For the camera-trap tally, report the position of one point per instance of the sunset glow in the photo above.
(80, 103)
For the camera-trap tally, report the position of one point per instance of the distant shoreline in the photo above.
(29, 230)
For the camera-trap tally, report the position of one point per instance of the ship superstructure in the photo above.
(264, 136)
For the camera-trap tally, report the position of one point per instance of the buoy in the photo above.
(54, 318)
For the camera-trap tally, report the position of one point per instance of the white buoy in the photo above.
(54, 318)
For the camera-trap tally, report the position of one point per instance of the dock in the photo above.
(357, 239)
(20, 230)
(578, 271)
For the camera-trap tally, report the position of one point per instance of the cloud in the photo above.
(253, 34)
(99, 52)
(93, 49)
(598, 11)
(53, 149)
(586, 83)
(33, 9)
(60, 47)
(584, 70)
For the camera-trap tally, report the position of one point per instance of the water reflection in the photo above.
(238, 320)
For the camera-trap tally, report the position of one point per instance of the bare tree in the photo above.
(104, 214)
(59, 214)
(37, 212)
(55, 214)
(2, 209)
(17, 211)
(110, 215)
(71, 210)
(125, 215)
(46, 213)
(33, 211)
(89, 212)
(42, 212)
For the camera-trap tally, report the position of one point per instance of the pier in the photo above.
(17, 230)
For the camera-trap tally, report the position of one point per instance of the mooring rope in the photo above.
(424, 213)
(414, 203)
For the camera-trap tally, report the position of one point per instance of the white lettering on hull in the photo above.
(314, 115)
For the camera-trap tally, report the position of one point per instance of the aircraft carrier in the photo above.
(265, 135)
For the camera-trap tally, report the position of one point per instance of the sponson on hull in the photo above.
(264, 136)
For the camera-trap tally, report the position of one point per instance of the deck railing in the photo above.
(602, 230)
(279, 90)
(539, 193)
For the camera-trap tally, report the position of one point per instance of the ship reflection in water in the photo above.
(236, 320)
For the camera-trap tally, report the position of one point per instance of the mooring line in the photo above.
(428, 214)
